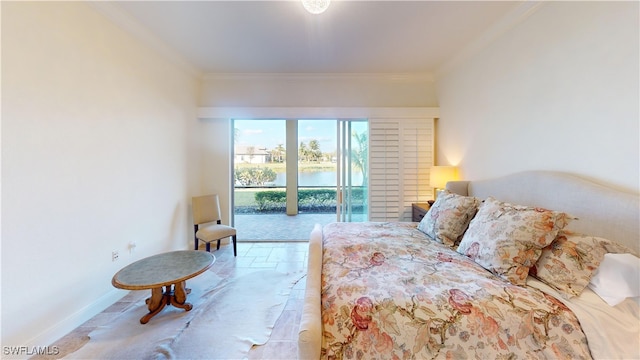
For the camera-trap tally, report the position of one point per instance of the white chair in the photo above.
(207, 224)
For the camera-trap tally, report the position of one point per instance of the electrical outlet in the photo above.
(114, 255)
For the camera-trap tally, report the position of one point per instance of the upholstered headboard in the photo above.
(601, 211)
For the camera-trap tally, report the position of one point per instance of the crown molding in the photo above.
(388, 77)
(126, 22)
(515, 17)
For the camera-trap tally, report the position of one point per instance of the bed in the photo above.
(457, 285)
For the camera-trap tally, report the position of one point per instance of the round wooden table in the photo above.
(167, 270)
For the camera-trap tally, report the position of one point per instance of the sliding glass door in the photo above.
(297, 173)
(332, 168)
(352, 169)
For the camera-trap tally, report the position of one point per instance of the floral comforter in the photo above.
(389, 292)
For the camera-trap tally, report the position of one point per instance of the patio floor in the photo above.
(279, 226)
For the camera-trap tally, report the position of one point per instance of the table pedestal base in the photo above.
(159, 299)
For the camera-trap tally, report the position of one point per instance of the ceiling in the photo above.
(350, 37)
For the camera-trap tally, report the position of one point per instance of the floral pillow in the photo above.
(449, 217)
(570, 261)
(507, 239)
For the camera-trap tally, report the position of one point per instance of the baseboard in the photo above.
(76, 319)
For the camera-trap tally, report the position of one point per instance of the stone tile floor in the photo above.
(280, 226)
(282, 256)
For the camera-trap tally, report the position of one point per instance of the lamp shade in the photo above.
(440, 175)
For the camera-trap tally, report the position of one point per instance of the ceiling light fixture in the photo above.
(316, 6)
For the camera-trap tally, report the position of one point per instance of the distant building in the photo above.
(251, 155)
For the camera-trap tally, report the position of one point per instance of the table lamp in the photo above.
(439, 177)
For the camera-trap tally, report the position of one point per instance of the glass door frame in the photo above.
(344, 164)
(344, 174)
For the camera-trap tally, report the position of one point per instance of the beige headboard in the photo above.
(601, 211)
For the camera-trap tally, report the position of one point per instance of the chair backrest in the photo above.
(205, 209)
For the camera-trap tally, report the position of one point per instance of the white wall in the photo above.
(558, 91)
(97, 152)
(216, 162)
(319, 90)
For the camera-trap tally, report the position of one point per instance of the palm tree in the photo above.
(359, 155)
(279, 152)
(303, 152)
(314, 149)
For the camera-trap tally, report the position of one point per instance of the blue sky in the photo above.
(270, 133)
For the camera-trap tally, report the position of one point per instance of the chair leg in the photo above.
(218, 247)
(195, 236)
(235, 252)
(208, 247)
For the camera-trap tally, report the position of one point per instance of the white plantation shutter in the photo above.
(400, 156)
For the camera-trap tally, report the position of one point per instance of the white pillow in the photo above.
(617, 278)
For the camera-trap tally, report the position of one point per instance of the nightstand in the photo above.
(418, 211)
